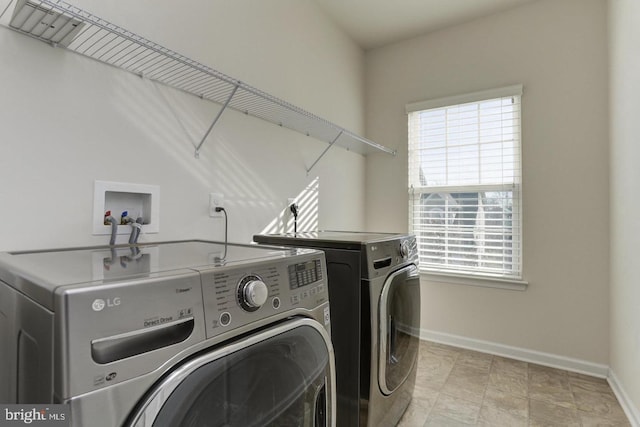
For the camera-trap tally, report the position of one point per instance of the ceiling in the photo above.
(374, 23)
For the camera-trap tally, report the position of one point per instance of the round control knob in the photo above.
(252, 293)
(404, 249)
(255, 293)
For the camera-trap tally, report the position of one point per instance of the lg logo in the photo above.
(100, 304)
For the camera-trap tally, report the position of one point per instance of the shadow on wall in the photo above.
(174, 122)
(251, 191)
(175, 126)
(307, 201)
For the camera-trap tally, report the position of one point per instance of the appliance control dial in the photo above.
(252, 293)
(404, 249)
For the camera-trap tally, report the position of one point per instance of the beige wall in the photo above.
(67, 121)
(625, 198)
(558, 50)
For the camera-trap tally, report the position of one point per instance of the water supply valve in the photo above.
(107, 214)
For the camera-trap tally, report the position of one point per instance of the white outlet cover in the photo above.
(216, 200)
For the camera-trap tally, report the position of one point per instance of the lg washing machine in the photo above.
(189, 333)
(374, 288)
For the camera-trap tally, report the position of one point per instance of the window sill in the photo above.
(486, 282)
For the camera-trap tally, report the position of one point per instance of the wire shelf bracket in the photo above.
(324, 152)
(215, 120)
(63, 25)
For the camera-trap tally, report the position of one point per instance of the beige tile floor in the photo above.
(457, 387)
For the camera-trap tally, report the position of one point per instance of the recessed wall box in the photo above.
(139, 200)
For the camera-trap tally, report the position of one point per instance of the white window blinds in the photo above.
(464, 183)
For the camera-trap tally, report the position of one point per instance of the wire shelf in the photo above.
(64, 25)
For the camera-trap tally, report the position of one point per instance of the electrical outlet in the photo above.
(216, 200)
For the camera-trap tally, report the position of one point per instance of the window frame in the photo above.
(462, 275)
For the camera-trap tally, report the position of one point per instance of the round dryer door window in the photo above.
(264, 380)
(399, 319)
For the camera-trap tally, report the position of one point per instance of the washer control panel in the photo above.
(304, 273)
(235, 297)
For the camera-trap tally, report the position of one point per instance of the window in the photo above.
(465, 183)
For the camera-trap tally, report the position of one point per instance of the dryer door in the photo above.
(399, 319)
(282, 376)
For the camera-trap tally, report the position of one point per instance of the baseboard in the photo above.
(627, 405)
(518, 353)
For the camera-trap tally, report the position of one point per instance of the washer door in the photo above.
(282, 376)
(399, 318)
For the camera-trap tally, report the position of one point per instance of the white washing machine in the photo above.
(188, 333)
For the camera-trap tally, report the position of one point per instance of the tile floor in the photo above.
(457, 387)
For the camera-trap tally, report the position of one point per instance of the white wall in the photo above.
(68, 121)
(625, 203)
(558, 50)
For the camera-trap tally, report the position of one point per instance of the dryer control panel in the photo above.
(385, 256)
(236, 298)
